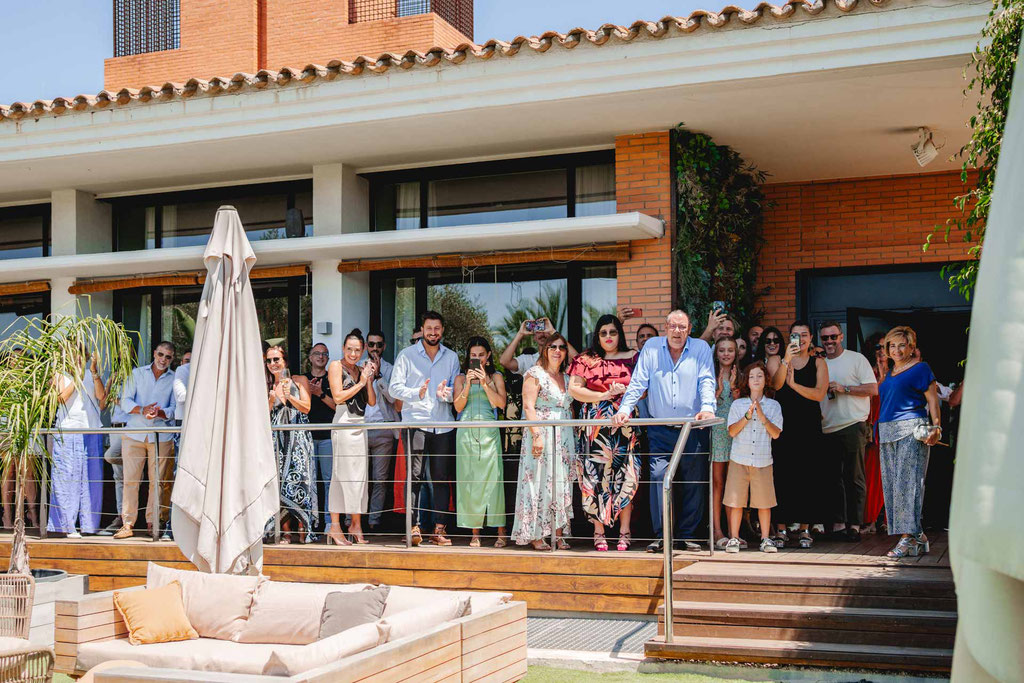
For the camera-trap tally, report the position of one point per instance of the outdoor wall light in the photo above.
(924, 149)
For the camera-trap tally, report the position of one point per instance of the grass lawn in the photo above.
(546, 674)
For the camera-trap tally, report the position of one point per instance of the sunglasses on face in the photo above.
(320, 353)
(772, 340)
(878, 347)
(557, 347)
(168, 356)
(271, 361)
(375, 345)
(607, 333)
(829, 337)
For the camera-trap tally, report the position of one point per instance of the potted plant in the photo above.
(33, 355)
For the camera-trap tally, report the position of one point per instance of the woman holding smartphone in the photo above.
(800, 381)
(479, 490)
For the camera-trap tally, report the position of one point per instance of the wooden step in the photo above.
(891, 587)
(801, 653)
(811, 623)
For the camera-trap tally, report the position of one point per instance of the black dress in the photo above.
(797, 453)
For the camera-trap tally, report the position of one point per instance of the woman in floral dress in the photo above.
(289, 404)
(607, 467)
(544, 496)
(726, 359)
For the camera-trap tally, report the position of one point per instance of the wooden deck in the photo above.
(577, 580)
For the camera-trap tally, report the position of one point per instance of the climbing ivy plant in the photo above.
(990, 77)
(719, 224)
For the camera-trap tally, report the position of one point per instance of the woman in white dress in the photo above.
(352, 389)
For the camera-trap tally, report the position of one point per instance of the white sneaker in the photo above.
(74, 534)
(768, 546)
(733, 546)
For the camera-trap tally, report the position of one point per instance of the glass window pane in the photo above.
(21, 232)
(533, 195)
(595, 190)
(178, 317)
(136, 316)
(600, 296)
(397, 206)
(16, 311)
(190, 224)
(135, 226)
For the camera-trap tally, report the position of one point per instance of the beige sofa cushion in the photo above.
(292, 661)
(402, 598)
(419, 619)
(289, 613)
(217, 604)
(205, 654)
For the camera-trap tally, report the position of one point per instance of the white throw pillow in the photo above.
(217, 604)
(419, 619)
(285, 613)
(350, 642)
(402, 598)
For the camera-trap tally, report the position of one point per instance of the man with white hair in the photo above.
(678, 375)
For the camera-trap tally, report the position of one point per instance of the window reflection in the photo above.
(497, 198)
(24, 231)
(17, 311)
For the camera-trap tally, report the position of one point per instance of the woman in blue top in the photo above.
(908, 425)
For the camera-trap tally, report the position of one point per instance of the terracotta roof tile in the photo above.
(288, 76)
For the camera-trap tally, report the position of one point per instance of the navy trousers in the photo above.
(689, 501)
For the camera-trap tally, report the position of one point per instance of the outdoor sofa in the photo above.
(420, 641)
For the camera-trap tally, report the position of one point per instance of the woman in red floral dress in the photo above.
(607, 467)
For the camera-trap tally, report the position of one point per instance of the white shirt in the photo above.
(412, 367)
(82, 409)
(525, 361)
(181, 376)
(142, 389)
(753, 445)
(847, 369)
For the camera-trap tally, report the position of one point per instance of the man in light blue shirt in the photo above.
(422, 380)
(678, 376)
(148, 400)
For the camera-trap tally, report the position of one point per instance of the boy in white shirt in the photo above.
(753, 422)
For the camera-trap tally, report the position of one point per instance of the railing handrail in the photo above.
(453, 424)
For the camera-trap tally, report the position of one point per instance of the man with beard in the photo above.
(148, 401)
(422, 379)
(844, 413)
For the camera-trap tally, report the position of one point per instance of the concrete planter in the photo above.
(49, 589)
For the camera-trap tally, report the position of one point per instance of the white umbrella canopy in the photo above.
(226, 487)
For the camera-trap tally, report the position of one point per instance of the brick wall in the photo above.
(223, 37)
(852, 222)
(643, 182)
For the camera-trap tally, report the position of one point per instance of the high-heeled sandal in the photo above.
(501, 542)
(805, 539)
(625, 539)
(439, 538)
(337, 538)
(907, 547)
(562, 544)
(600, 542)
(540, 544)
(474, 542)
(923, 544)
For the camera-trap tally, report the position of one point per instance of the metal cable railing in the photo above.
(442, 508)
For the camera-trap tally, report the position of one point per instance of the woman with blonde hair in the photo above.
(908, 426)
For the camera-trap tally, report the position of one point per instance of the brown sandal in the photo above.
(439, 538)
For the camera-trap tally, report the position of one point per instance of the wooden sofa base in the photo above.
(489, 647)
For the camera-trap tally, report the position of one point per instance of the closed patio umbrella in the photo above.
(226, 486)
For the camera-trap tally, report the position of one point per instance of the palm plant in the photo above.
(32, 359)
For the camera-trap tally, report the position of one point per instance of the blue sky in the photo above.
(52, 48)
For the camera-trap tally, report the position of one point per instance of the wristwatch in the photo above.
(846, 389)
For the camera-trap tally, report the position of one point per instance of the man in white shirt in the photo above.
(181, 376)
(422, 380)
(382, 442)
(844, 413)
(523, 362)
(148, 401)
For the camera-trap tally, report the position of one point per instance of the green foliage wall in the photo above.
(719, 220)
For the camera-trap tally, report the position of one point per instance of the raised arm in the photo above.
(508, 356)
(820, 388)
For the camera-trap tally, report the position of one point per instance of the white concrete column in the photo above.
(79, 224)
(341, 205)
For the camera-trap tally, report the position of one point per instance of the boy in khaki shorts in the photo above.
(753, 422)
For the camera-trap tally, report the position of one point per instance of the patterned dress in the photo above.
(545, 487)
(296, 467)
(608, 469)
(721, 444)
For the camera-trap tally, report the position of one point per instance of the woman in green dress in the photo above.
(480, 493)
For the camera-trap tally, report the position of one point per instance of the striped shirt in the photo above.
(753, 445)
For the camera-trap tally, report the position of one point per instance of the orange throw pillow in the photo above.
(155, 615)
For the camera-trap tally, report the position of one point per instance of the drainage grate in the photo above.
(589, 635)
